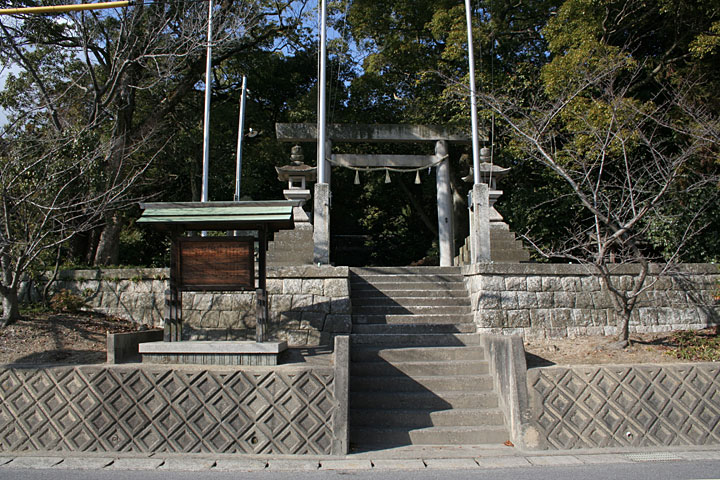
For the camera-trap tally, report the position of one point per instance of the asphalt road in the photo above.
(675, 470)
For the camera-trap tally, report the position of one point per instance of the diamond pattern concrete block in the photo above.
(128, 409)
(657, 405)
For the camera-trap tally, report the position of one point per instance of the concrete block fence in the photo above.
(554, 300)
(136, 408)
(623, 406)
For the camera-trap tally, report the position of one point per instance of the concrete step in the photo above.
(410, 369)
(371, 293)
(417, 278)
(387, 286)
(417, 340)
(407, 328)
(456, 383)
(426, 399)
(428, 436)
(419, 418)
(410, 309)
(384, 354)
(362, 271)
(437, 319)
(395, 300)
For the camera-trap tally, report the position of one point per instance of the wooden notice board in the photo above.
(215, 263)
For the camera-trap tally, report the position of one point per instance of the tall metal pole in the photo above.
(206, 121)
(322, 107)
(473, 96)
(241, 133)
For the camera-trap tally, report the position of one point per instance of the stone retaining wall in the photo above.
(308, 305)
(625, 406)
(288, 409)
(538, 300)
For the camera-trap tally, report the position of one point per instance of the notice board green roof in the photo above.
(269, 215)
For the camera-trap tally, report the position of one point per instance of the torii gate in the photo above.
(351, 133)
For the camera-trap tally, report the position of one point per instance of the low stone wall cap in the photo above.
(210, 347)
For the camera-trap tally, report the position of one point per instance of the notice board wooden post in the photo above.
(173, 301)
(261, 292)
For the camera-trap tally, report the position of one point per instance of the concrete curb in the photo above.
(353, 462)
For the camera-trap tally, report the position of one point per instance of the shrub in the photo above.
(66, 301)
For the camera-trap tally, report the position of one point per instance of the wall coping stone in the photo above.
(308, 271)
(590, 366)
(577, 269)
(220, 348)
(111, 274)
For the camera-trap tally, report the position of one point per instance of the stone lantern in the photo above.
(298, 176)
(504, 247)
(490, 174)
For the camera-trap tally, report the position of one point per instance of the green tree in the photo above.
(622, 122)
(124, 74)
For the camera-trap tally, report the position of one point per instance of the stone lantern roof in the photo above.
(489, 172)
(297, 169)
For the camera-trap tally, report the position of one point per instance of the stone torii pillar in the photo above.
(446, 243)
(321, 214)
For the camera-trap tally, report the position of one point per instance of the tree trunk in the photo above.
(623, 328)
(11, 306)
(108, 249)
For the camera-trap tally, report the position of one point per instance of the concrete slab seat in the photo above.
(213, 353)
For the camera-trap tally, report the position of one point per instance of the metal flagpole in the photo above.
(241, 133)
(65, 8)
(206, 121)
(322, 107)
(473, 96)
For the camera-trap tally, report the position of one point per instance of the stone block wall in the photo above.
(308, 305)
(539, 300)
(625, 405)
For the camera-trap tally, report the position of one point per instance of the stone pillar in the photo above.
(321, 224)
(328, 165)
(446, 242)
(341, 441)
(480, 224)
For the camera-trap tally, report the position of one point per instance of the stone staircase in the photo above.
(291, 247)
(418, 372)
(504, 247)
